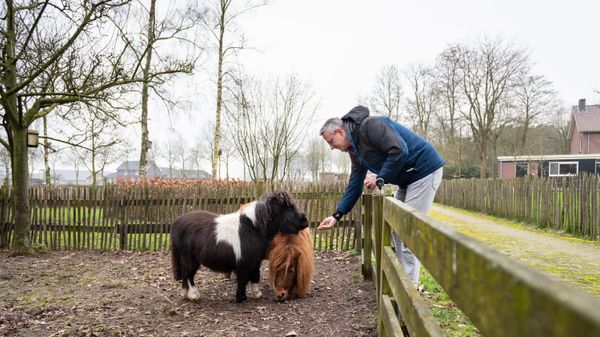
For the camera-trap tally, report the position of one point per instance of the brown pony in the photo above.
(291, 264)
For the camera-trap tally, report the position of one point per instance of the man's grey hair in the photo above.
(331, 124)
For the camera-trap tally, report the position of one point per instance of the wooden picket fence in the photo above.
(500, 295)
(569, 204)
(139, 218)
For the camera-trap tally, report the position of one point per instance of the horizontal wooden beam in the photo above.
(388, 317)
(415, 312)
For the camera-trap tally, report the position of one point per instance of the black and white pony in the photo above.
(235, 242)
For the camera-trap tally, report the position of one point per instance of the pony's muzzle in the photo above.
(304, 223)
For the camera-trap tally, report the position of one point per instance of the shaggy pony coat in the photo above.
(235, 242)
(291, 264)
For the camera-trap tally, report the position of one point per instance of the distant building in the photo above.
(548, 165)
(130, 171)
(584, 137)
(584, 129)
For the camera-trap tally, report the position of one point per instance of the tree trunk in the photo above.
(216, 153)
(47, 175)
(20, 179)
(482, 158)
(145, 85)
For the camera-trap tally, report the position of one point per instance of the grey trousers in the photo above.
(419, 195)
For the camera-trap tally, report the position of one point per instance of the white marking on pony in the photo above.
(192, 293)
(227, 230)
(255, 290)
(249, 210)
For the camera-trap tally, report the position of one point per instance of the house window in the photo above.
(597, 171)
(522, 169)
(558, 169)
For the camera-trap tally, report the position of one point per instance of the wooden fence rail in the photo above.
(139, 218)
(569, 204)
(501, 296)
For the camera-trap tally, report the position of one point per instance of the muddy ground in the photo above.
(134, 294)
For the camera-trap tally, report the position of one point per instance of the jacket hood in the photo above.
(355, 116)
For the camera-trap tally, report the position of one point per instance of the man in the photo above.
(396, 155)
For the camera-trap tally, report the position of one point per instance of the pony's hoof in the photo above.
(240, 299)
(193, 294)
(255, 291)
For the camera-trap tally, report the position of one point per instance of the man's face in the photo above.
(337, 139)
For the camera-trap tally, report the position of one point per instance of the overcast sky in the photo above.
(340, 46)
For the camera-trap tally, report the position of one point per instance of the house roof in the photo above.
(548, 157)
(588, 121)
(131, 165)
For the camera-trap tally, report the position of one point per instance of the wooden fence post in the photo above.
(367, 219)
(377, 223)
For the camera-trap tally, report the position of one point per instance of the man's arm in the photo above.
(351, 194)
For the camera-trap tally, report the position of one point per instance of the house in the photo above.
(584, 137)
(63, 176)
(584, 128)
(548, 165)
(130, 170)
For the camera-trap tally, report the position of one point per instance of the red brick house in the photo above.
(584, 137)
(584, 129)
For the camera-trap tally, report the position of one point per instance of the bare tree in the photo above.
(165, 39)
(54, 54)
(423, 100)
(534, 100)
(489, 71)
(315, 157)
(560, 120)
(172, 150)
(448, 86)
(268, 124)
(387, 92)
(98, 139)
(220, 21)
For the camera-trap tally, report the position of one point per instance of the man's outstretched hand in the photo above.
(327, 223)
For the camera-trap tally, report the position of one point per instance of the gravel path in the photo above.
(573, 260)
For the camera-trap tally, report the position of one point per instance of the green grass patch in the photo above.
(452, 321)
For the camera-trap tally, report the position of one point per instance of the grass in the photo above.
(452, 321)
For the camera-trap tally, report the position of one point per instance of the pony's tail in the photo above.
(175, 261)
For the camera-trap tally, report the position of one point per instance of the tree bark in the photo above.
(216, 153)
(20, 179)
(145, 87)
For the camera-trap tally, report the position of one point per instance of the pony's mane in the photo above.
(289, 249)
(264, 208)
(263, 217)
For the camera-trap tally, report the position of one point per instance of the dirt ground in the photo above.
(134, 294)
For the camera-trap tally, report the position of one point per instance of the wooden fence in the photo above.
(570, 204)
(500, 295)
(139, 218)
